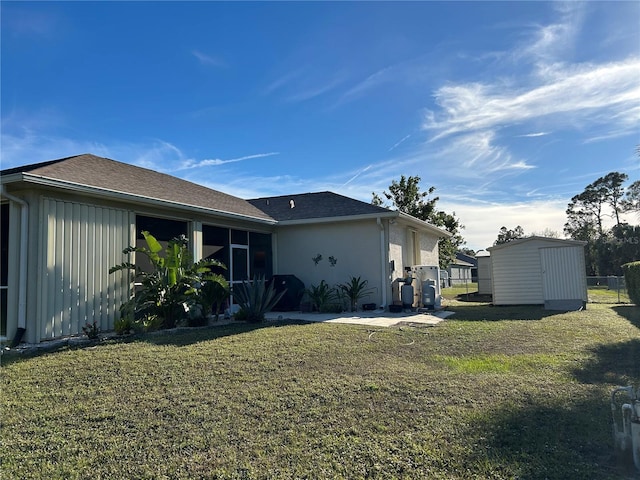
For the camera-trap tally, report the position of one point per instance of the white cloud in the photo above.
(218, 161)
(483, 221)
(209, 60)
(585, 94)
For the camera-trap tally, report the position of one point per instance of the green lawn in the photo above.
(492, 393)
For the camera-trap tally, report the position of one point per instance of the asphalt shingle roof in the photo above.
(104, 173)
(314, 205)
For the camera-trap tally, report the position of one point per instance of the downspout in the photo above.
(383, 261)
(24, 232)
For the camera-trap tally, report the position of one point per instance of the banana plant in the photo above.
(174, 286)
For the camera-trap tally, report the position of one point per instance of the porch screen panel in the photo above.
(83, 242)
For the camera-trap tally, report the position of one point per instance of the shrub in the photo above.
(632, 280)
(321, 296)
(255, 299)
(124, 325)
(172, 290)
(355, 289)
(92, 330)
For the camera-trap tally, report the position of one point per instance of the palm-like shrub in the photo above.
(322, 296)
(255, 299)
(355, 289)
(172, 291)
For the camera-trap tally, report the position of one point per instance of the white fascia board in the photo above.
(130, 197)
(342, 218)
(560, 242)
(424, 225)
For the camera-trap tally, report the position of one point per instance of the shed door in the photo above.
(563, 278)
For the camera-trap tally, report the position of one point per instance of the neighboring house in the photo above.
(539, 270)
(65, 223)
(463, 269)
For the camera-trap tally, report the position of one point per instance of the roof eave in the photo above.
(422, 224)
(559, 241)
(341, 218)
(111, 194)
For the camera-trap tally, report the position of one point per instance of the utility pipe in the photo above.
(24, 237)
(383, 260)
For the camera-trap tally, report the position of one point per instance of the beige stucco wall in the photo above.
(355, 245)
(401, 248)
(428, 249)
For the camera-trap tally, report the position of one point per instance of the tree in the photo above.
(607, 248)
(505, 235)
(631, 200)
(406, 197)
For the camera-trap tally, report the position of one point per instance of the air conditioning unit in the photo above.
(426, 280)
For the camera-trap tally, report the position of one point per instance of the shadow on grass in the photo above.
(615, 364)
(630, 312)
(475, 313)
(189, 336)
(546, 441)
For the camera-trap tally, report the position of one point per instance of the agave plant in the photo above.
(355, 289)
(172, 290)
(255, 299)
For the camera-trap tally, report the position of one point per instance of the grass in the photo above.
(595, 294)
(497, 393)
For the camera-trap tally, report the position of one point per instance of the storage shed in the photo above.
(539, 271)
(484, 272)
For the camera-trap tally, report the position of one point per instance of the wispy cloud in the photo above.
(586, 94)
(397, 144)
(217, 161)
(208, 60)
(532, 135)
(304, 84)
(360, 172)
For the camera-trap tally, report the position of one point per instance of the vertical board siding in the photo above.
(83, 242)
(563, 273)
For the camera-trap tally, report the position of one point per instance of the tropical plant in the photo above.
(171, 291)
(92, 330)
(322, 296)
(214, 295)
(255, 299)
(355, 289)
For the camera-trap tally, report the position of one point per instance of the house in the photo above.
(462, 269)
(539, 271)
(65, 223)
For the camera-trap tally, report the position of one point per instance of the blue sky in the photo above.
(507, 108)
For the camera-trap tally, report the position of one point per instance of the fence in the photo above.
(607, 290)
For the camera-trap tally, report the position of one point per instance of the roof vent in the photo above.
(292, 204)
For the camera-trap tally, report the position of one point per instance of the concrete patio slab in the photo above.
(377, 318)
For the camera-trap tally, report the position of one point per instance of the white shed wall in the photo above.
(484, 275)
(517, 272)
(564, 277)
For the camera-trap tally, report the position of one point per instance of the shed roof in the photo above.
(551, 241)
(107, 176)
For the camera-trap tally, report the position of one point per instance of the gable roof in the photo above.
(307, 206)
(98, 175)
(330, 207)
(557, 242)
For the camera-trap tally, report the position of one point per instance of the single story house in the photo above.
(539, 271)
(65, 222)
(462, 269)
